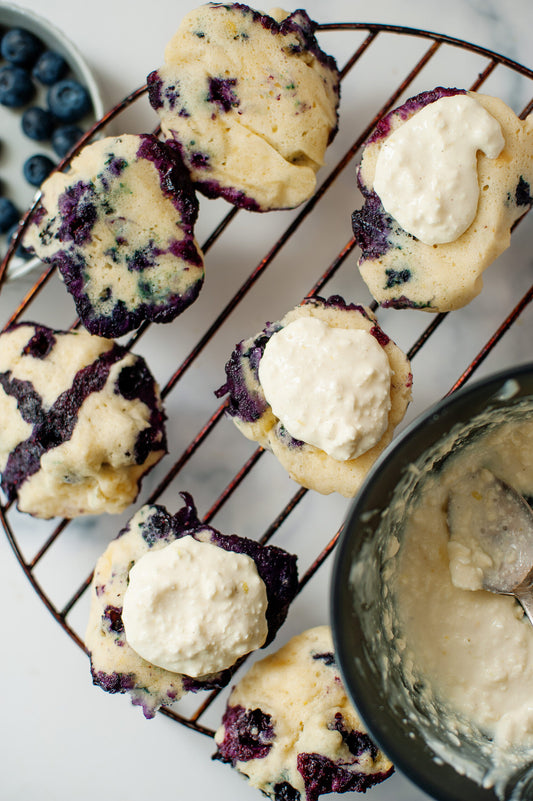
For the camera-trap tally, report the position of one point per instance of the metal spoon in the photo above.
(486, 513)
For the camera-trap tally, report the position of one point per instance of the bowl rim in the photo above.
(431, 774)
(42, 26)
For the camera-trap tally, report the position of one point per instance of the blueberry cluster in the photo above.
(35, 82)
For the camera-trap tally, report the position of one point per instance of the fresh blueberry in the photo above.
(8, 214)
(37, 168)
(20, 47)
(20, 251)
(16, 86)
(68, 100)
(64, 138)
(50, 67)
(38, 123)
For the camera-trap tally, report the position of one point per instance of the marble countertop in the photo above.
(62, 738)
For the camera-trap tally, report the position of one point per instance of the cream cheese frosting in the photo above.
(426, 172)
(304, 375)
(194, 608)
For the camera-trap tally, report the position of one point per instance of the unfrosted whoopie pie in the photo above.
(250, 100)
(290, 729)
(119, 225)
(82, 422)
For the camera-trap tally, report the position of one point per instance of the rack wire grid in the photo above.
(226, 474)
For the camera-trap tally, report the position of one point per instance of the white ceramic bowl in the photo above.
(15, 147)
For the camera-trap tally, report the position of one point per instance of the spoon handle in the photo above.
(525, 597)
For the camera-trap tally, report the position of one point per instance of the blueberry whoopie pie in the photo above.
(404, 270)
(339, 373)
(250, 101)
(82, 422)
(153, 533)
(119, 225)
(290, 729)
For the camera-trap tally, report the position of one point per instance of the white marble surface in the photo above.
(60, 737)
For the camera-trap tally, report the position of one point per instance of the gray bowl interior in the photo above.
(395, 720)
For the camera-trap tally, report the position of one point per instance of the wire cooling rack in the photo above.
(224, 468)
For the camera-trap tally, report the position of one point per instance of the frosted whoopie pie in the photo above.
(119, 225)
(176, 605)
(290, 729)
(323, 389)
(443, 178)
(82, 422)
(250, 100)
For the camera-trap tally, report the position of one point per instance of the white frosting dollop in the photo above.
(426, 172)
(194, 608)
(329, 387)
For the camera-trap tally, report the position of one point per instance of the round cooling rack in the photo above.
(294, 254)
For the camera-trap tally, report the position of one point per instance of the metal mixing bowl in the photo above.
(393, 715)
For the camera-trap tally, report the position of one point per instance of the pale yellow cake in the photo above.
(250, 100)
(291, 730)
(309, 464)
